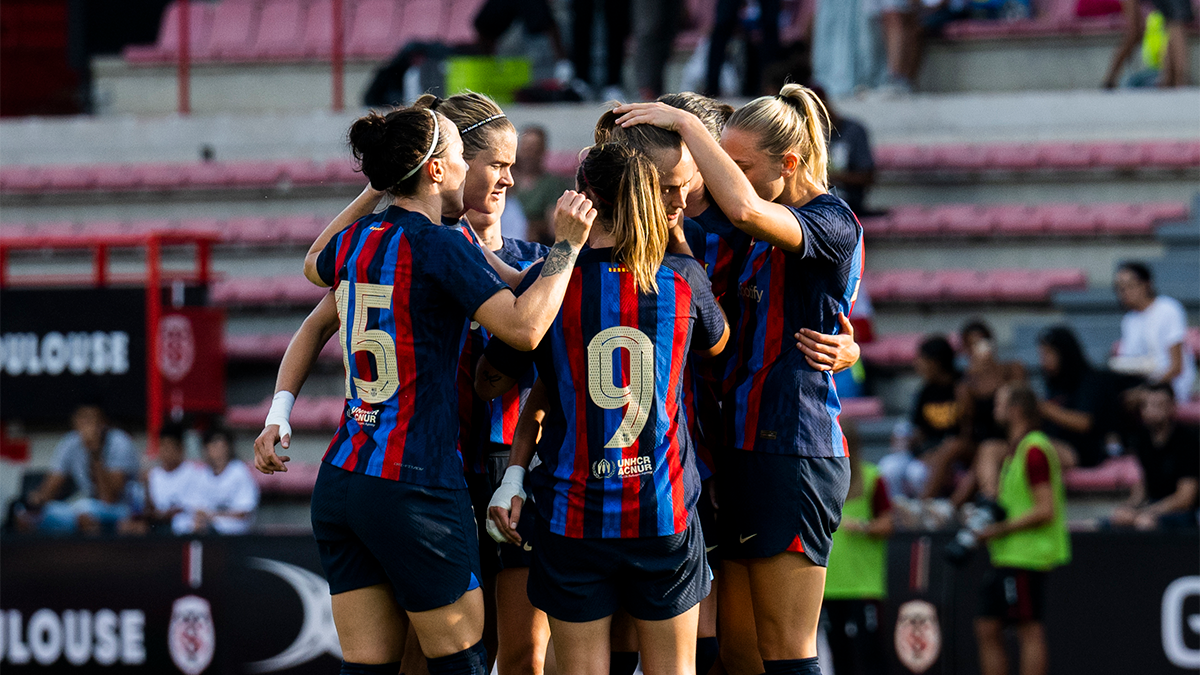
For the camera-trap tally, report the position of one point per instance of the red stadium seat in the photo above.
(1119, 156)
(160, 176)
(1060, 279)
(916, 286)
(17, 179)
(231, 37)
(318, 28)
(280, 30)
(61, 178)
(1123, 219)
(167, 47)
(964, 219)
(1065, 155)
(1173, 155)
(966, 285)
(1018, 157)
(1019, 285)
(1068, 219)
(203, 175)
(372, 34)
(1019, 221)
(115, 177)
(422, 20)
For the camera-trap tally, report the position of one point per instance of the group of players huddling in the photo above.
(619, 411)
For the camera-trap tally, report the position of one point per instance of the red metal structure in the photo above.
(185, 57)
(153, 279)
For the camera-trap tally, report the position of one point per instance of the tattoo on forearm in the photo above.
(561, 257)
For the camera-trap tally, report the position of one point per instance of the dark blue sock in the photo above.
(707, 651)
(792, 667)
(472, 661)
(370, 668)
(622, 663)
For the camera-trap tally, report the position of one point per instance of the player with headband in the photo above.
(391, 513)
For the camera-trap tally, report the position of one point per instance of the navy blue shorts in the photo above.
(708, 523)
(373, 530)
(652, 578)
(1013, 595)
(774, 503)
(494, 556)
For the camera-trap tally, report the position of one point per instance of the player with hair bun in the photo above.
(391, 513)
(616, 488)
(785, 475)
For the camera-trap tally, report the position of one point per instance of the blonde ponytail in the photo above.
(794, 120)
(640, 222)
(623, 184)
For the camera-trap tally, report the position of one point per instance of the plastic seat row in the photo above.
(298, 30)
(291, 229)
(315, 413)
(1062, 156)
(964, 285)
(288, 291)
(967, 220)
(176, 176)
(270, 347)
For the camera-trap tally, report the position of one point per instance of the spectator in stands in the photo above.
(536, 190)
(976, 395)
(851, 164)
(227, 494)
(1030, 541)
(1167, 451)
(1152, 332)
(102, 462)
(171, 486)
(654, 26)
(899, 23)
(762, 43)
(1074, 399)
(495, 17)
(845, 59)
(1135, 26)
(616, 31)
(856, 577)
(935, 419)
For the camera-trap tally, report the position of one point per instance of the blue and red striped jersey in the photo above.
(616, 459)
(779, 403)
(405, 290)
(722, 248)
(486, 423)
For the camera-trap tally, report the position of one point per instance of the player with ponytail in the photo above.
(784, 473)
(615, 491)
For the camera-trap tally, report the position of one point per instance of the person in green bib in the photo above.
(1028, 543)
(856, 579)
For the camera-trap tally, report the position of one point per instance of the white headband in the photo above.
(431, 148)
(481, 123)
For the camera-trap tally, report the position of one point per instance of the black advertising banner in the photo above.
(1128, 602)
(63, 346)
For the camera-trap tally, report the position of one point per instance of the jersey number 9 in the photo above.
(638, 395)
(377, 342)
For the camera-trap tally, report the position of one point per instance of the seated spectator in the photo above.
(536, 190)
(898, 21)
(171, 486)
(102, 462)
(227, 495)
(1152, 332)
(934, 419)
(1074, 393)
(851, 165)
(976, 396)
(1167, 452)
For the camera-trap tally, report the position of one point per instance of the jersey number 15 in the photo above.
(361, 339)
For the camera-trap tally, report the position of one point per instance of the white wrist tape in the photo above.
(281, 412)
(512, 485)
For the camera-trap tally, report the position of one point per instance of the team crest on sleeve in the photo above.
(191, 637)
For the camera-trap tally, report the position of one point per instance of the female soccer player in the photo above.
(391, 514)
(785, 479)
(615, 493)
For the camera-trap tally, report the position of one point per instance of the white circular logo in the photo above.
(604, 469)
(918, 636)
(176, 347)
(191, 637)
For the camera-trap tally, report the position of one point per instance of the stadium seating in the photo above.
(266, 292)
(269, 347)
(1021, 157)
(1014, 220)
(959, 285)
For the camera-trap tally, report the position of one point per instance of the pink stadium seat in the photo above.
(876, 226)
(964, 219)
(1068, 219)
(422, 20)
(249, 230)
(1015, 157)
(56, 228)
(912, 221)
(1113, 475)
(1165, 211)
(1065, 155)
(234, 25)
(249, 417)
(318, 28)
(159, 176)
(1123, 219)
(1173, 155)
(298, 291)
(115, 177)
(300, 229)
(965, 285)
(904, 158)
(1019, 221)
(148, 226)
(297, 481)
(460, 21)
(104, 228)
(862, 407)
(280, 30)
(916, 286)
(1060, 279)
(1119, 156)
(167, 47)
(342, 171)
(306, 172)
(203, 175)
(265, 173)
(63, 178)
(22, 179)
(897, 349)
(223, 293)
(1019, 285)
(202, 225)
(372, 34)
(960, 156)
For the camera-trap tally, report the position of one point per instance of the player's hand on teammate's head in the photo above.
(657, 114)
(265, 458)
(829, 352)
(573, 218)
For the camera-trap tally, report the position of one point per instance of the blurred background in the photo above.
(1027, 173)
